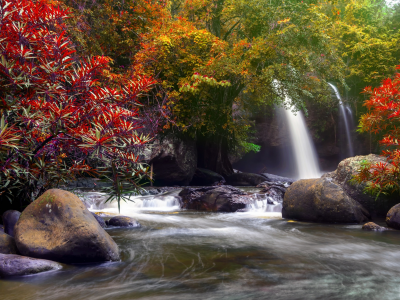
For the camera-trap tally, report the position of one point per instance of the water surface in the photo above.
(255, 255)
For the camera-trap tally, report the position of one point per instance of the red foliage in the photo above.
(53, 107)
(383, 117)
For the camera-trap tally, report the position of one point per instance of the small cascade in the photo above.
(347, 116)
(301, 143)
(264, 203)
(170, 201)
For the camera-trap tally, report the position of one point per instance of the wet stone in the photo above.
(16, 265)
(10, 218)
(393, 217)
(100, 220)
(7, 244)
(123, 221)
(57, 226)
(371, 226)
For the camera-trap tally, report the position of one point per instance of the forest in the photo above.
(285, 108)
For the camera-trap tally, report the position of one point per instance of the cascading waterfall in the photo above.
(301, 143)
(347, 116)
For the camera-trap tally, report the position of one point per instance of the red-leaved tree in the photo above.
(55, 112)
(383, 118)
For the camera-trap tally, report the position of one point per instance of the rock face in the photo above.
(57, 226)
(10, 218)
(7, 244)
(16, 265)
(371, 226)
(321, 200)
(344, 173)
(244, 179)
(206, 177)
(174, 162)
(99, 219)
(216, 198)
(123, 221)
(393, 217)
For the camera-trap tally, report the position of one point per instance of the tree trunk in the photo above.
(212, 154)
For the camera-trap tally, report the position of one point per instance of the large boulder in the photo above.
(321, 200)
(123, 221)
(393, 217)
(204, 177)
(174, 161)
(16, 265)
(10, 218)
(57, 226)
(377, 207)
(7, 244)
(244, 179)
(215, 198)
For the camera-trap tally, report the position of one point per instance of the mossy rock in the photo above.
(57, 226)
(321, 200)
(347, 168)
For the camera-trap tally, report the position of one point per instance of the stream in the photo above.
(180, 254)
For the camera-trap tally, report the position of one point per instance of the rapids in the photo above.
(180, 254)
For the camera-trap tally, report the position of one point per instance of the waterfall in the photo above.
(347, 116)
(301, 143)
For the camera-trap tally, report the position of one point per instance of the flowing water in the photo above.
(300, 140)
(184, 255)
(347, 117)
(302, 146)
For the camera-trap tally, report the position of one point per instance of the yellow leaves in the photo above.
(284, 21)
(165, 40)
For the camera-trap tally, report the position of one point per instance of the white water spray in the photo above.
(301, 143)
(347, 116)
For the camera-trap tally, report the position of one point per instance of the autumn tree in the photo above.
(54, 112)
(218, 60)
(383, 116)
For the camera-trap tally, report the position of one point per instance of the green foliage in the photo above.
(249, 147)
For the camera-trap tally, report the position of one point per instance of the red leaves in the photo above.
(384, 115)
(60, 108)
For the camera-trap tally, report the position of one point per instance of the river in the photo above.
(252, 255)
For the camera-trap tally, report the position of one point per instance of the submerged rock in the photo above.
(371, 226)
(58, 226)
(321, 200)
(244, 179)
(206, 177)
(216, 198)
(10, 218)
(7, 244)
(1, 228)
(393, 217)
(123, 221)
(345, 172)
(16, 265)
(100, 220)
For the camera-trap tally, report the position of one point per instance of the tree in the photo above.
(218, 60)
(383, 117)
(55, 112)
